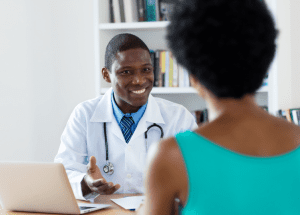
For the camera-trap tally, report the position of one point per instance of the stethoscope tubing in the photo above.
(146, 136)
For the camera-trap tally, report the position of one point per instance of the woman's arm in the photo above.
(161, 180)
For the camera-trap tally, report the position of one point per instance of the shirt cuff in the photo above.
(76, 186)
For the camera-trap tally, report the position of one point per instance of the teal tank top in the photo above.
(223, 182)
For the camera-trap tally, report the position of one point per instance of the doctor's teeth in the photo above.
(139, 91)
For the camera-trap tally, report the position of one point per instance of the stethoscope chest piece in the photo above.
(108, 168)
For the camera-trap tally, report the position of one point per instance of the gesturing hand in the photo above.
(96, 182)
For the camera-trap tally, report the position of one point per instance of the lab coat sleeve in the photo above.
(72, 152)
(187, 121)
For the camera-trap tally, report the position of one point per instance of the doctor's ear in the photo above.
(106, 74)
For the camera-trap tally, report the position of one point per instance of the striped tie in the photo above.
(126, 123)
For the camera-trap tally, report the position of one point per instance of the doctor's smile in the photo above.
(139, 91)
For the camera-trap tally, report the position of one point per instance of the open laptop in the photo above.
(39, 187)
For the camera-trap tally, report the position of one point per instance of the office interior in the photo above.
(49, 62)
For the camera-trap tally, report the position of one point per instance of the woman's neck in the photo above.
(231, 106)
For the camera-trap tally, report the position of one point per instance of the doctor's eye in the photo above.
(125, 72)
(147, 69)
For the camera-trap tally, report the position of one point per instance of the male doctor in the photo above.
(126, 110)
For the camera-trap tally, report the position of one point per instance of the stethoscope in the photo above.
(109, 167)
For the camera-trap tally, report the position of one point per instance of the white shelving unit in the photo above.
(153, 34)
(180, 90)
(134, 26)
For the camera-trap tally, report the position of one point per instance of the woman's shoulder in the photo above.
(253, 135)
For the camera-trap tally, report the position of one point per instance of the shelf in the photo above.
(172, 90)
(166, 90)
(134, 25)
(181, 90)
(263, 89)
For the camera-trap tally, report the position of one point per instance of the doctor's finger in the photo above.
(113, 189)
(103, 189)
(92, 165)
(99, 182)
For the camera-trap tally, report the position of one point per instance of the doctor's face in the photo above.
(132, 79)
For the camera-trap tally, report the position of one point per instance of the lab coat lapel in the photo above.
(104, 113)
(152, 115)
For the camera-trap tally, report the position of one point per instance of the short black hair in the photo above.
(227, 45)
(119, 43)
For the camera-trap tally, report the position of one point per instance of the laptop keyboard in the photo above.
(84, 207)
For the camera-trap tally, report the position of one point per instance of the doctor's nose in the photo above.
(139, 79)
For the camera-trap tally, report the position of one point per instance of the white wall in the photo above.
(47, 66)
(288, 54)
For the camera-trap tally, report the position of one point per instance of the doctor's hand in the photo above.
(95, 182)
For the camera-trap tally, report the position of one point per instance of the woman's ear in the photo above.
(106, 75)
(201, 90)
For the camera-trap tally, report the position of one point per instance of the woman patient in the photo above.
(244, 161)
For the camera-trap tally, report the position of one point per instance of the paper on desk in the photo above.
(130, 202)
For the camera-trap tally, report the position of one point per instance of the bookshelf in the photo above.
(153, 34)
(134, 26)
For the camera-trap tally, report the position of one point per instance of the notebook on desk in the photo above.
(39, 187)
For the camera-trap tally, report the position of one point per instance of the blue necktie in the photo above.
(126, 123)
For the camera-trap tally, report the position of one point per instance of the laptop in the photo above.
(39, 187)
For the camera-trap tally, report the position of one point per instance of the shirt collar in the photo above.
(104, 110)
(119, 114)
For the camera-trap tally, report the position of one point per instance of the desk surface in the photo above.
(103, 199)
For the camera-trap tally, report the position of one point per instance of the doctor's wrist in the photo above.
(85, 188)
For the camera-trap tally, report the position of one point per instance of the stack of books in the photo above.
(265, 82)
(292, 115)
(167, 72)
(201, 116)
(139, 10)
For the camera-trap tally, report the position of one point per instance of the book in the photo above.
(205, 115)
(156, 68)
(265, 81)
(198, 116)
(131, 11)
(152, 56)
(288, 115)
(167, 69)
(157, 7)
(298, 117)
(141, 10)
(150, 10)
(162, 69)
(281, 114)
(292, 116)
(265, 108)
(295, 116)
(171, 69)
(175, 73)
(111, 12)
(116, 11)
(166, 8)
(186, 78)
(180, 76)
(122, 11)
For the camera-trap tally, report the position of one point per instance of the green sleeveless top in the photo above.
(224, 182)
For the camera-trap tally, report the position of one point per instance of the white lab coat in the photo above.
(83, 137)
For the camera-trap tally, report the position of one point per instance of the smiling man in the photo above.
(104, 146)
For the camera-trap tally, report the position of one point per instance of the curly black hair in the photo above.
(227, 45)
(119, 43)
